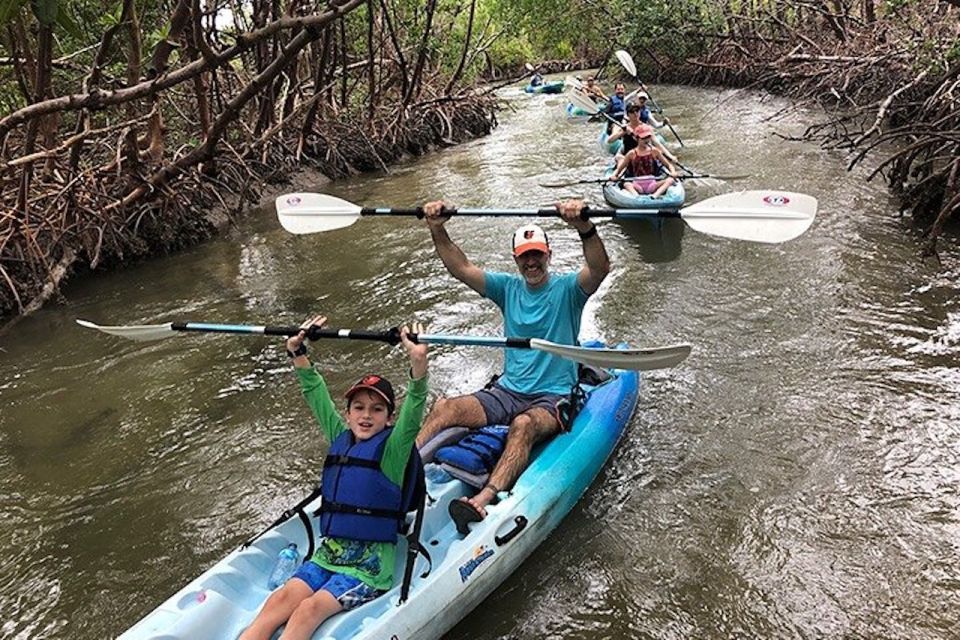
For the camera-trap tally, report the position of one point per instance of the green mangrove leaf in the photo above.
(8, 9)
(67, 23)
(45, 11)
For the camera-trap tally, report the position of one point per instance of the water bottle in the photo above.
(287, 563)
(436, 474)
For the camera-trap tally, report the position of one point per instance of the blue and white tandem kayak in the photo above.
(622, 199)
(464, 570)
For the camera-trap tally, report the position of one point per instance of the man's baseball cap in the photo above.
(378, 385)
(530, 237)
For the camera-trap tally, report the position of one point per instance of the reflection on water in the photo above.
(656, 239)
(796, 477)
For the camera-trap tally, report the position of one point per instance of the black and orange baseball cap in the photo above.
(378, 385)
(530, 237)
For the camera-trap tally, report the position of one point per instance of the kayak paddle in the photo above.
(631, 69)
(637, 359)
(756, 216)
(692, 176)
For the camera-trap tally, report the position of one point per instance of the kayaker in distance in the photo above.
(592, 90)
(536, 79)
(643, 165)
(355, 557)
(534, 304)
(630, 136)
(617, 106)
(646, 116)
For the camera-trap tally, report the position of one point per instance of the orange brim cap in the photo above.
(531, 246)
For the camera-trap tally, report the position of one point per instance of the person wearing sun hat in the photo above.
(535, 303)
(646, 165)
(364, 489)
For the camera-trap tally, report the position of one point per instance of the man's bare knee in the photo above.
(523, 428)
(533, 426)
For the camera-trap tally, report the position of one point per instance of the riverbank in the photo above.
(94, 236)
(885, 77)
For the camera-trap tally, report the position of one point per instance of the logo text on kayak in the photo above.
(480, 555)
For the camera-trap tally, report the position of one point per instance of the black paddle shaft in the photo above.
(390, 336)
(546, 212)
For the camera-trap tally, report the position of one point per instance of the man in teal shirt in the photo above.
(535, 304)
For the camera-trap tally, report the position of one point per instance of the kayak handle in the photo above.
(520, 523)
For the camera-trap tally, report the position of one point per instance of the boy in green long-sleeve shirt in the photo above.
(363, 487)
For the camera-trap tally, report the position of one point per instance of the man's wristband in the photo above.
(585, 235)
(299, 351)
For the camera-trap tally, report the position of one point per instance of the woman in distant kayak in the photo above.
(630, 136)
(646, 116)
(363, 478)
(644, 164)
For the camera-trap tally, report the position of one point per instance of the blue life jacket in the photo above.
(359, 500)
(617, 107)
(476, 453)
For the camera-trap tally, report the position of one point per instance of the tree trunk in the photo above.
(466, 47)
(371, 77)
(414, 89)
(42, 84)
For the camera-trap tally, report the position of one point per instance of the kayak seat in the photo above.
(442, 439)
(592, 376)
(474, 456)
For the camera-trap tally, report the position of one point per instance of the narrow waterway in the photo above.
(797, 477)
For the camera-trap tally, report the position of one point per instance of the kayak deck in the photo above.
(620, 198)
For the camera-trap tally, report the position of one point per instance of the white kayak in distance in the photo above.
(463, 570)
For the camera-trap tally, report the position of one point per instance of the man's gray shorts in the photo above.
(502, 405)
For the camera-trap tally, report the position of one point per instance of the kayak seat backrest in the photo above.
(473, 457)
(592, 376)
(442, 439)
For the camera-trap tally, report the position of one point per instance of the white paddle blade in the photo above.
(626, 61)
(757, 216)
(141, 333)
(584, 103)
(302, 213)
(570, 81)
(528, 66)
(636, 359)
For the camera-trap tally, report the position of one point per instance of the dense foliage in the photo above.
(112, 110)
